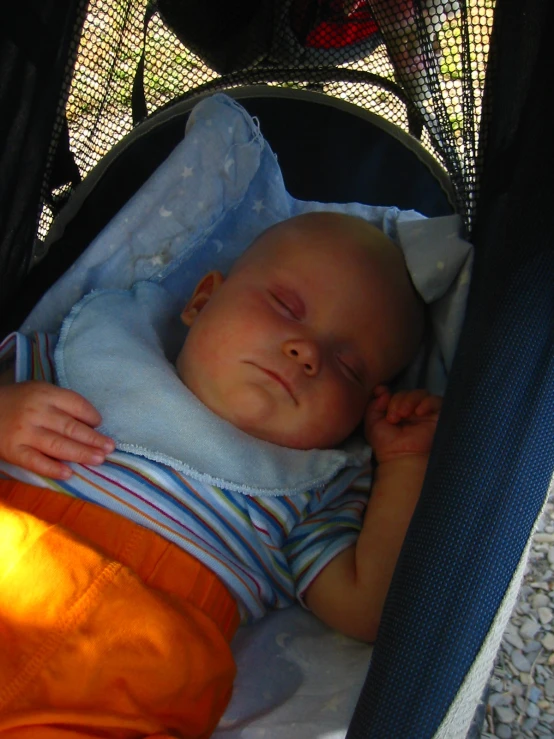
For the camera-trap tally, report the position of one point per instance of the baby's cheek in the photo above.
(344, 410)
(252, 409)
(197, 362)
(207, 349)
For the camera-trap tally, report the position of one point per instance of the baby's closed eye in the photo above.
(288, 302)
(350, 370)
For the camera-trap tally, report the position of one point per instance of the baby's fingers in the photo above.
(404, 404)
(60, 447)
(75, 405)
(429, 406)
(34, 461)
(71, 428)
(377, 407)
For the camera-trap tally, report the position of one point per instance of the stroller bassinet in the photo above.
(492, 461)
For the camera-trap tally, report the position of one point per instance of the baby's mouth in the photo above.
(280, 380)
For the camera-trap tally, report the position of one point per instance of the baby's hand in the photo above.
(401, 424)
(41, 423)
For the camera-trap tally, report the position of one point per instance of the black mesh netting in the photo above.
(420, 64)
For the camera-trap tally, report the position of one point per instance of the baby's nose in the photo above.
(304, 352)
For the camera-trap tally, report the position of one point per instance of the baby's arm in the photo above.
(41, 424)
(350, 592)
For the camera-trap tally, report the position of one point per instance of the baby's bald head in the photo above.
(289, 348)
(317, 236)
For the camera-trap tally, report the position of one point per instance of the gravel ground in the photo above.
(521, 700)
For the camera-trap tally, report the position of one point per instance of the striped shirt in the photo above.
(267, 550)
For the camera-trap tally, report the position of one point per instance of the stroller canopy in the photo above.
(462, 87)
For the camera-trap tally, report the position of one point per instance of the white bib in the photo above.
(115, 349)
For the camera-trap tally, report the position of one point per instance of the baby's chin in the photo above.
(255, 411)
(285, 438)
(288, 434)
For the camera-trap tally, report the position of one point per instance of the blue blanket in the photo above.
(219, 188)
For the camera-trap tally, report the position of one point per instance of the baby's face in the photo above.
(291, 346)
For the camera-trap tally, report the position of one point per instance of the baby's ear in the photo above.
(202, 293)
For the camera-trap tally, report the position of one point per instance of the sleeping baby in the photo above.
(141, 579)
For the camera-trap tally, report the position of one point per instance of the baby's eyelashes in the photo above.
(288, 302)
(283, 307)
(350, 371)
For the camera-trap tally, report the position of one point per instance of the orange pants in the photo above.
(106, 629)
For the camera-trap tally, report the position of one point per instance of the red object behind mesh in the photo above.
(332, 24)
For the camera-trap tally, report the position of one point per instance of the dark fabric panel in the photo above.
(493, 457)
(35, 44)
(228, 36)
